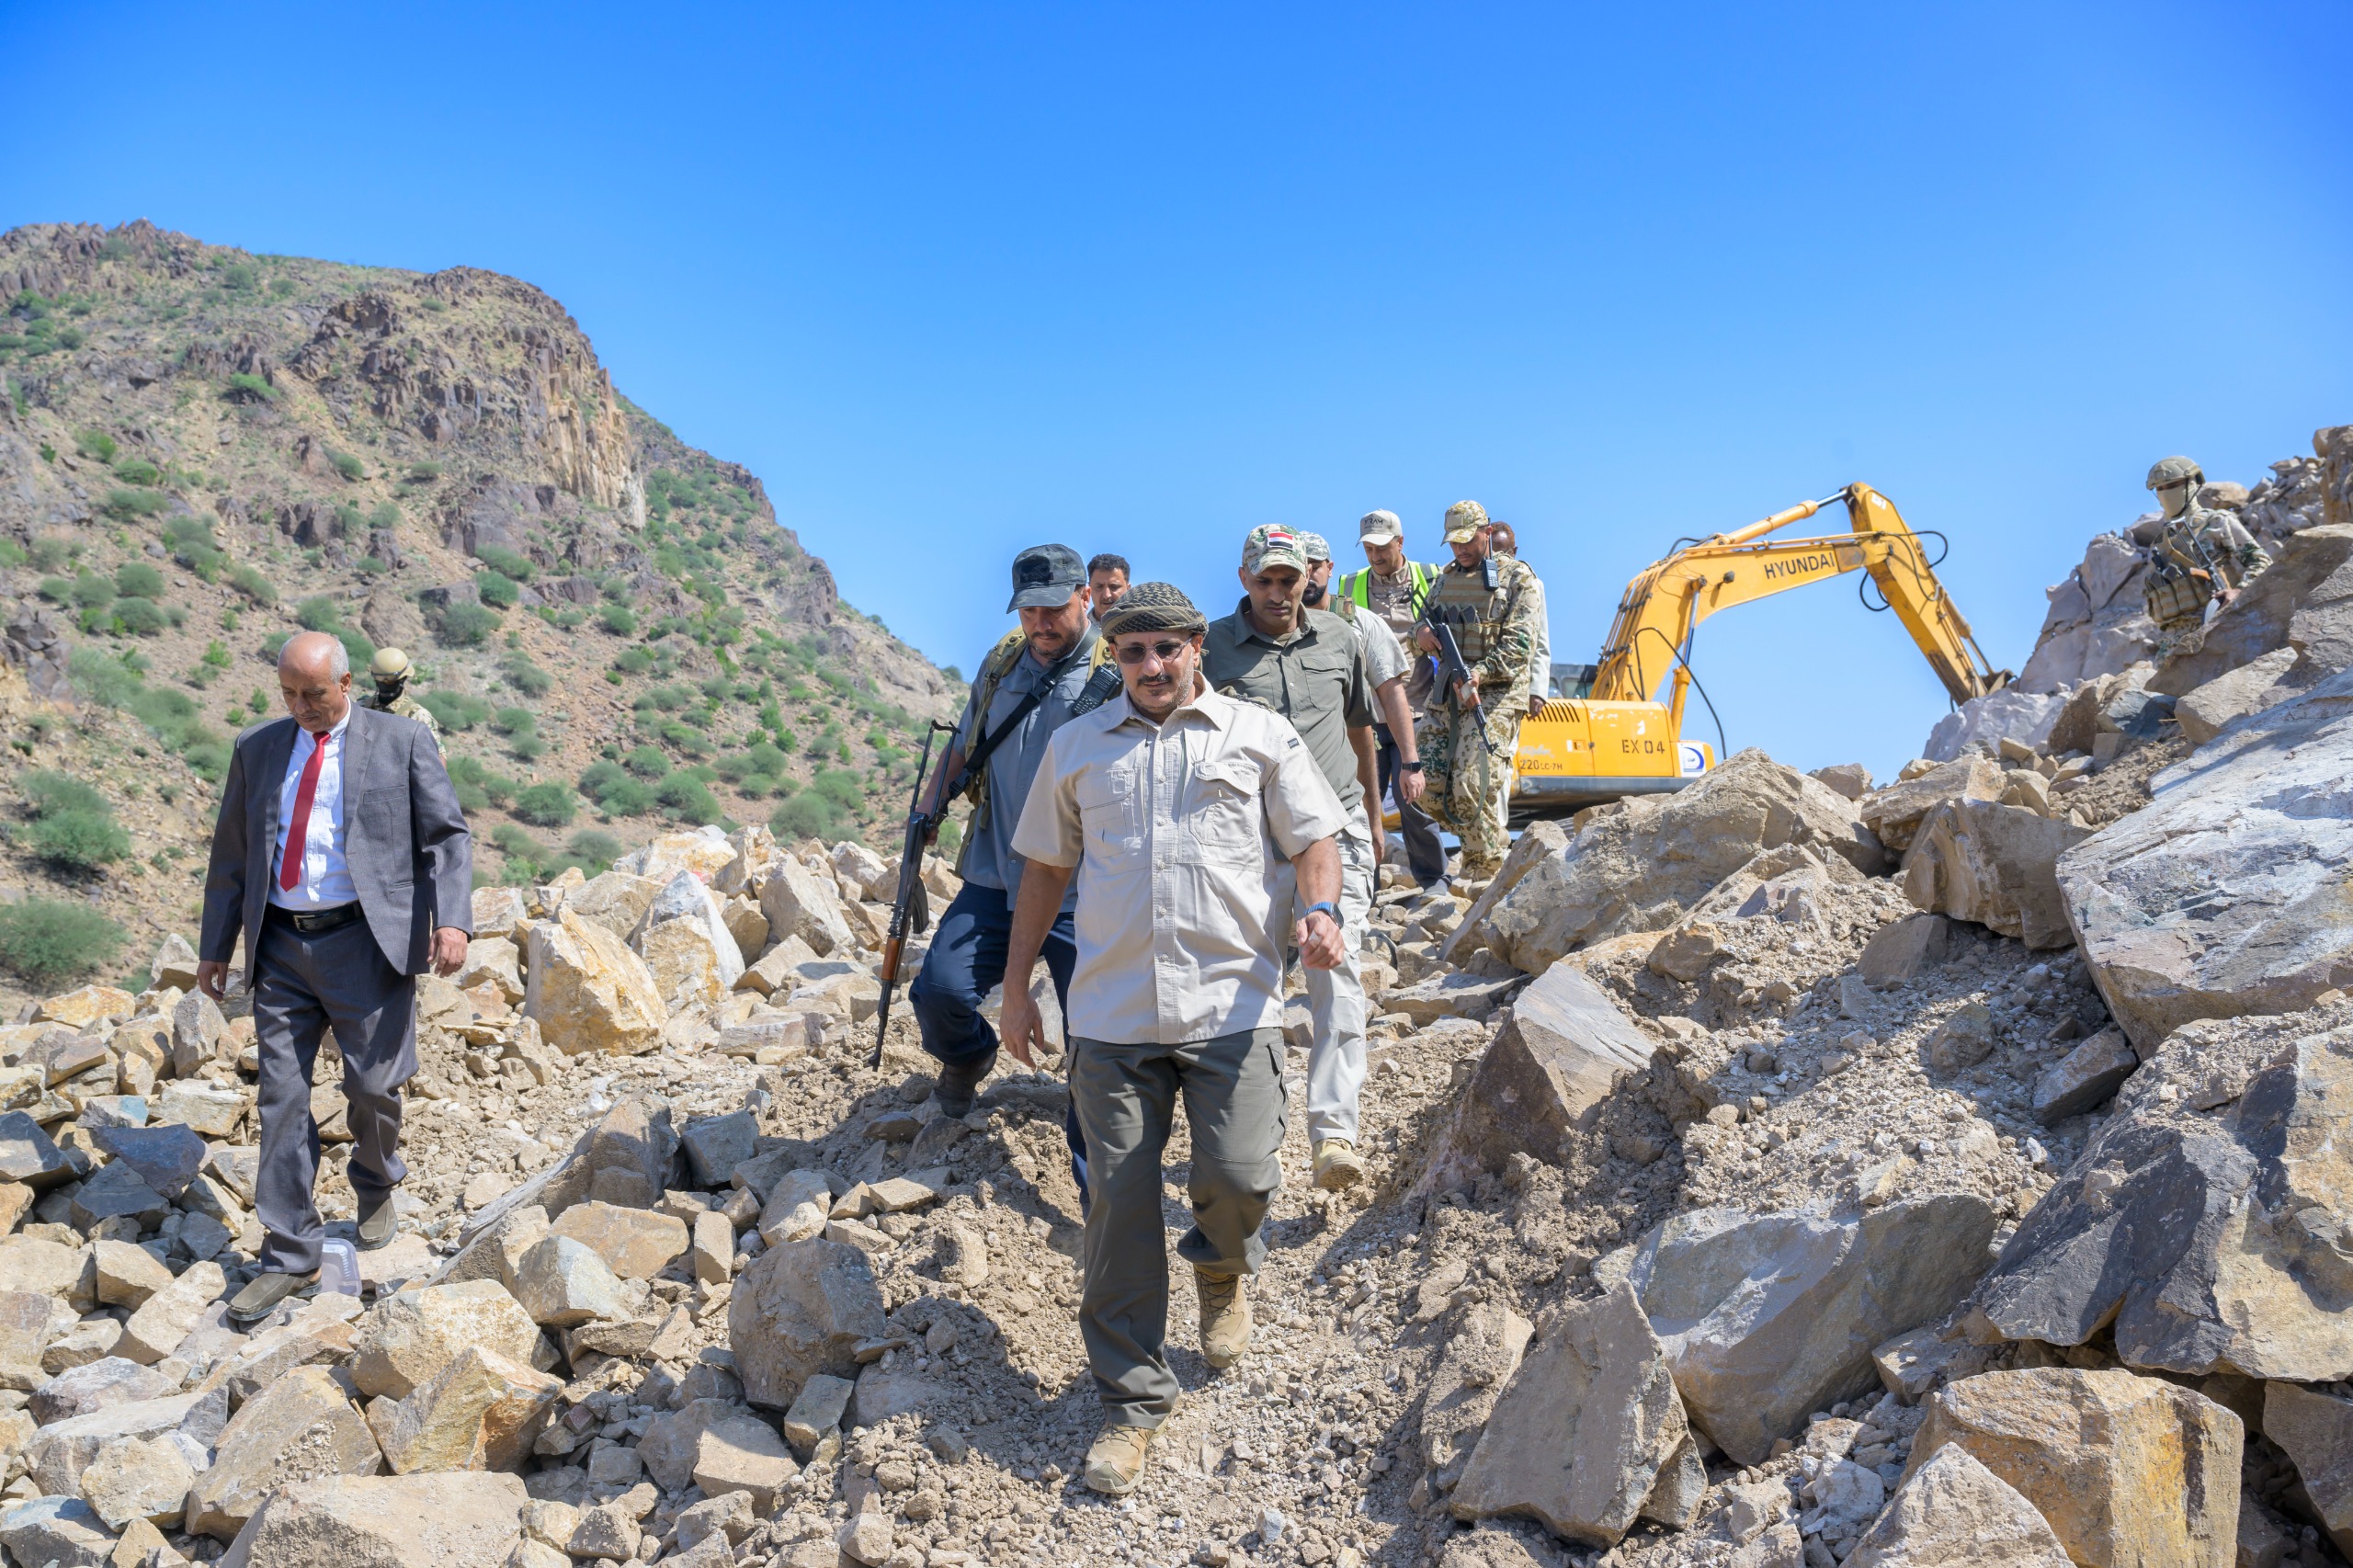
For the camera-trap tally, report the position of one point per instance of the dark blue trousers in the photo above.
(966, 961)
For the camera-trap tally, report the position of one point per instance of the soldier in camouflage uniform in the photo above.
(1468, 734)
(2202, 556)
(391, 669)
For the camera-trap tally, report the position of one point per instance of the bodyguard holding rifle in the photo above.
(1028, 686)
(1479, 620)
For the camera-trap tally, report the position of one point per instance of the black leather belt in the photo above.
(312, 925)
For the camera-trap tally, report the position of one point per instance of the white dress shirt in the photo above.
(1177, 830)
(325, 879)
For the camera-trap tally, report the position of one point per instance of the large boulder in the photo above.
(1587, 1430)
(637, 1243)
(588, 992)
(1639, 864)
(2129, 1472)
(482, 1411)
(2095, 624)
(2009, 714)
(1548, 1068)
(616, 900)
(2224, 895)
(1954, 1512)
(705, 851)
(409, 1337)
(684, 939)
(2315, 1430)
(1769, 1318)
(799, 902)
(2303, 602)
(625, 1160)
(2250, 688)
(2205, 1224)
(300, 1425)
(1895, 813)
(455, 1519)
(1996, 865)
(798, 1309)
(1480, 1357)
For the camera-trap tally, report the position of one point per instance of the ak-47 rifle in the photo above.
(912, 907)
(1451, 667)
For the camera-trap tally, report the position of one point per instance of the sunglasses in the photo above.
(1133, 654)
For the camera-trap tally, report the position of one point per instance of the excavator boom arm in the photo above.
(1664, 603)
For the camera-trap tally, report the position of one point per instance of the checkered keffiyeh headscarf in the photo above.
(1152, 606)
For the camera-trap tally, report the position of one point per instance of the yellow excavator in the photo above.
(1604, 734)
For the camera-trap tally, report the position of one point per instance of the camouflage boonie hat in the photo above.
(1464, 521)
(1271, 544)
(2173, 470)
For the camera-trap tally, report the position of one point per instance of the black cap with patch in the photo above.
(1045, 575)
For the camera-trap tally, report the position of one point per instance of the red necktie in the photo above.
(290, 864)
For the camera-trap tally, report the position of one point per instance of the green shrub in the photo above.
(464, 626)
(594, 849)
(497, 589)
(45, 790)
(759, 757)
(515, 721)
(681, 738)
(526, 677)
(688, 799)
(351, 468)
(505, 563)
(136, 579)
(319, 613)
(140, 617)
(546, 805)
(634, 661)
(245, 387)
(249, 582)
(123, 506)
(137, 471)
(646, 762)
(92, 591)
(456, 712)
(57, 590)
(102, 679)
(77, 841)
(619, 620)
(809, 815)
(424, 473)
(384, 514)
(97, 445)
(478, 786)
(626, 799)
(47, 942)
(599, 776)
(844, 788)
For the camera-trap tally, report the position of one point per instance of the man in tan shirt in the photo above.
(1175, 807)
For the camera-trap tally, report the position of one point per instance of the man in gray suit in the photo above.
(342, 855)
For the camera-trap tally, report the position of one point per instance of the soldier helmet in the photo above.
(2173, 470)
(390, 664)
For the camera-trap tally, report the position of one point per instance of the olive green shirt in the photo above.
(1317, 678)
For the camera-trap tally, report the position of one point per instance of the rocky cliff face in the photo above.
(202, 450)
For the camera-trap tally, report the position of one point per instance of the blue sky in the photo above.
(956, 280)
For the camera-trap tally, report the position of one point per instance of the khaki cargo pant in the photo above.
(1468, 785)
(1126, 1097)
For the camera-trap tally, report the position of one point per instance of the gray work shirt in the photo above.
(1317, 678)
(991, 861)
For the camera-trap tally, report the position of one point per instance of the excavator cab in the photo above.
(1610, 730)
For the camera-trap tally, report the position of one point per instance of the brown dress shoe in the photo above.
(261, 1298)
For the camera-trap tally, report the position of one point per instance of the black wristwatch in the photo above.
(1411, 767)
(1327, 907)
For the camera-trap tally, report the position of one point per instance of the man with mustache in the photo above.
(1175, 807)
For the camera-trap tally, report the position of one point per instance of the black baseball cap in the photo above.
(1045, 575)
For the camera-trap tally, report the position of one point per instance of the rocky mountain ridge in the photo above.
(202, 450)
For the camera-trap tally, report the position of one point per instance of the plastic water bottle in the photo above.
(338, 1268)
